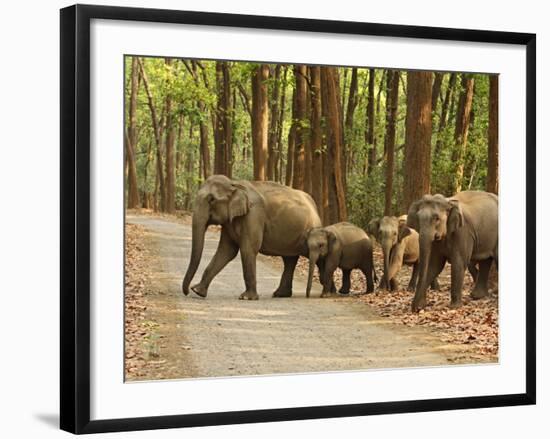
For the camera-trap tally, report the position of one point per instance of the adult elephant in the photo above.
(256, 216)
(462, 229)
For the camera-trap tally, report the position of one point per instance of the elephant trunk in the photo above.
(394, 262)
(200, 221)
(386, 249)
(312, 261)
(425, 245)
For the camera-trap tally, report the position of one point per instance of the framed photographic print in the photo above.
(268, 218)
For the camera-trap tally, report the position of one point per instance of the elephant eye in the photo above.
(436, 217)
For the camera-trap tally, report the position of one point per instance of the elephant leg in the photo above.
(458, 270)
(480, 289)
(346, 282)
(436, 264)
(394, 285)
(435, 284)
(249, 253)
(225, 253)
(285, 286)
(414, 278)
(329, 288)
(321, 267)
(473, 271)
(368, 272)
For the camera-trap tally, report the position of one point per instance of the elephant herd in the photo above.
(276, 220)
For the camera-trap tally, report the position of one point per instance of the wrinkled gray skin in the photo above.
(399, 246)
(342, 245)
(462, 229)
(256, 217)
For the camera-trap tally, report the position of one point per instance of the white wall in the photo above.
(30, 204)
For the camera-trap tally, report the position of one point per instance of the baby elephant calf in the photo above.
(339, 245)
(399, 246)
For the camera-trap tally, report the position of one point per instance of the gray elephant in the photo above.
(400, 247)
(462, 229)
(342, 245)
(256, 217)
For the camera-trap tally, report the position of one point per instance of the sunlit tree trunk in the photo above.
(298, 180)
(260, 121)
(157, 132)
(348, 125)
(418, 134)
(131, 137)
(224, 135)
(461, 129)
(492, 154)
(203, 128)
(280, 126)
(291, 143)
(444, 112)
(392, 101)
(333, 117)
(169, 148)
(316, 139)
(369, 133)
(436, 89)
(272, 157)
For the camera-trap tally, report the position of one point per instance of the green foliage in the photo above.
(365, 196)
(195, 100)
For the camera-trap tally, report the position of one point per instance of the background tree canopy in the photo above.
(363, 142)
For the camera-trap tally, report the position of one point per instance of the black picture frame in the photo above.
(75, 217)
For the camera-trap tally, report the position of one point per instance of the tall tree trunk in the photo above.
(158, 139)
(298, 180)
(260, 121)
(203, 129)
(316, 139)
(169, 148)
(461, 129)
(418, 134)
(308, 174)
(224, 135)
(348, 125)
(279, 164)
(492, 153)
(436, 89)
(291, 143)
(131, 138)
(392, 101)
(381, 86)
(444, 112)
(369, 137)
(272, 157)
(333, 116)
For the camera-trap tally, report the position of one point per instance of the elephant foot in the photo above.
(411, 288)
(418, 305)
(344, 292)
(249, 295)
(479, 293)
(199, 290)
(279, 292)
(329, 294)
(455, 304)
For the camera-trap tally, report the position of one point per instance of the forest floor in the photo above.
(171, 336)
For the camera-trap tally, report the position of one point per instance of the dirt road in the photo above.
(224, 336)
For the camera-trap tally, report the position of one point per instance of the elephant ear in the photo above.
(402, 232)
(332, 242)
(455, 217)
(238, 203)
(412, 215)
(373, 227)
